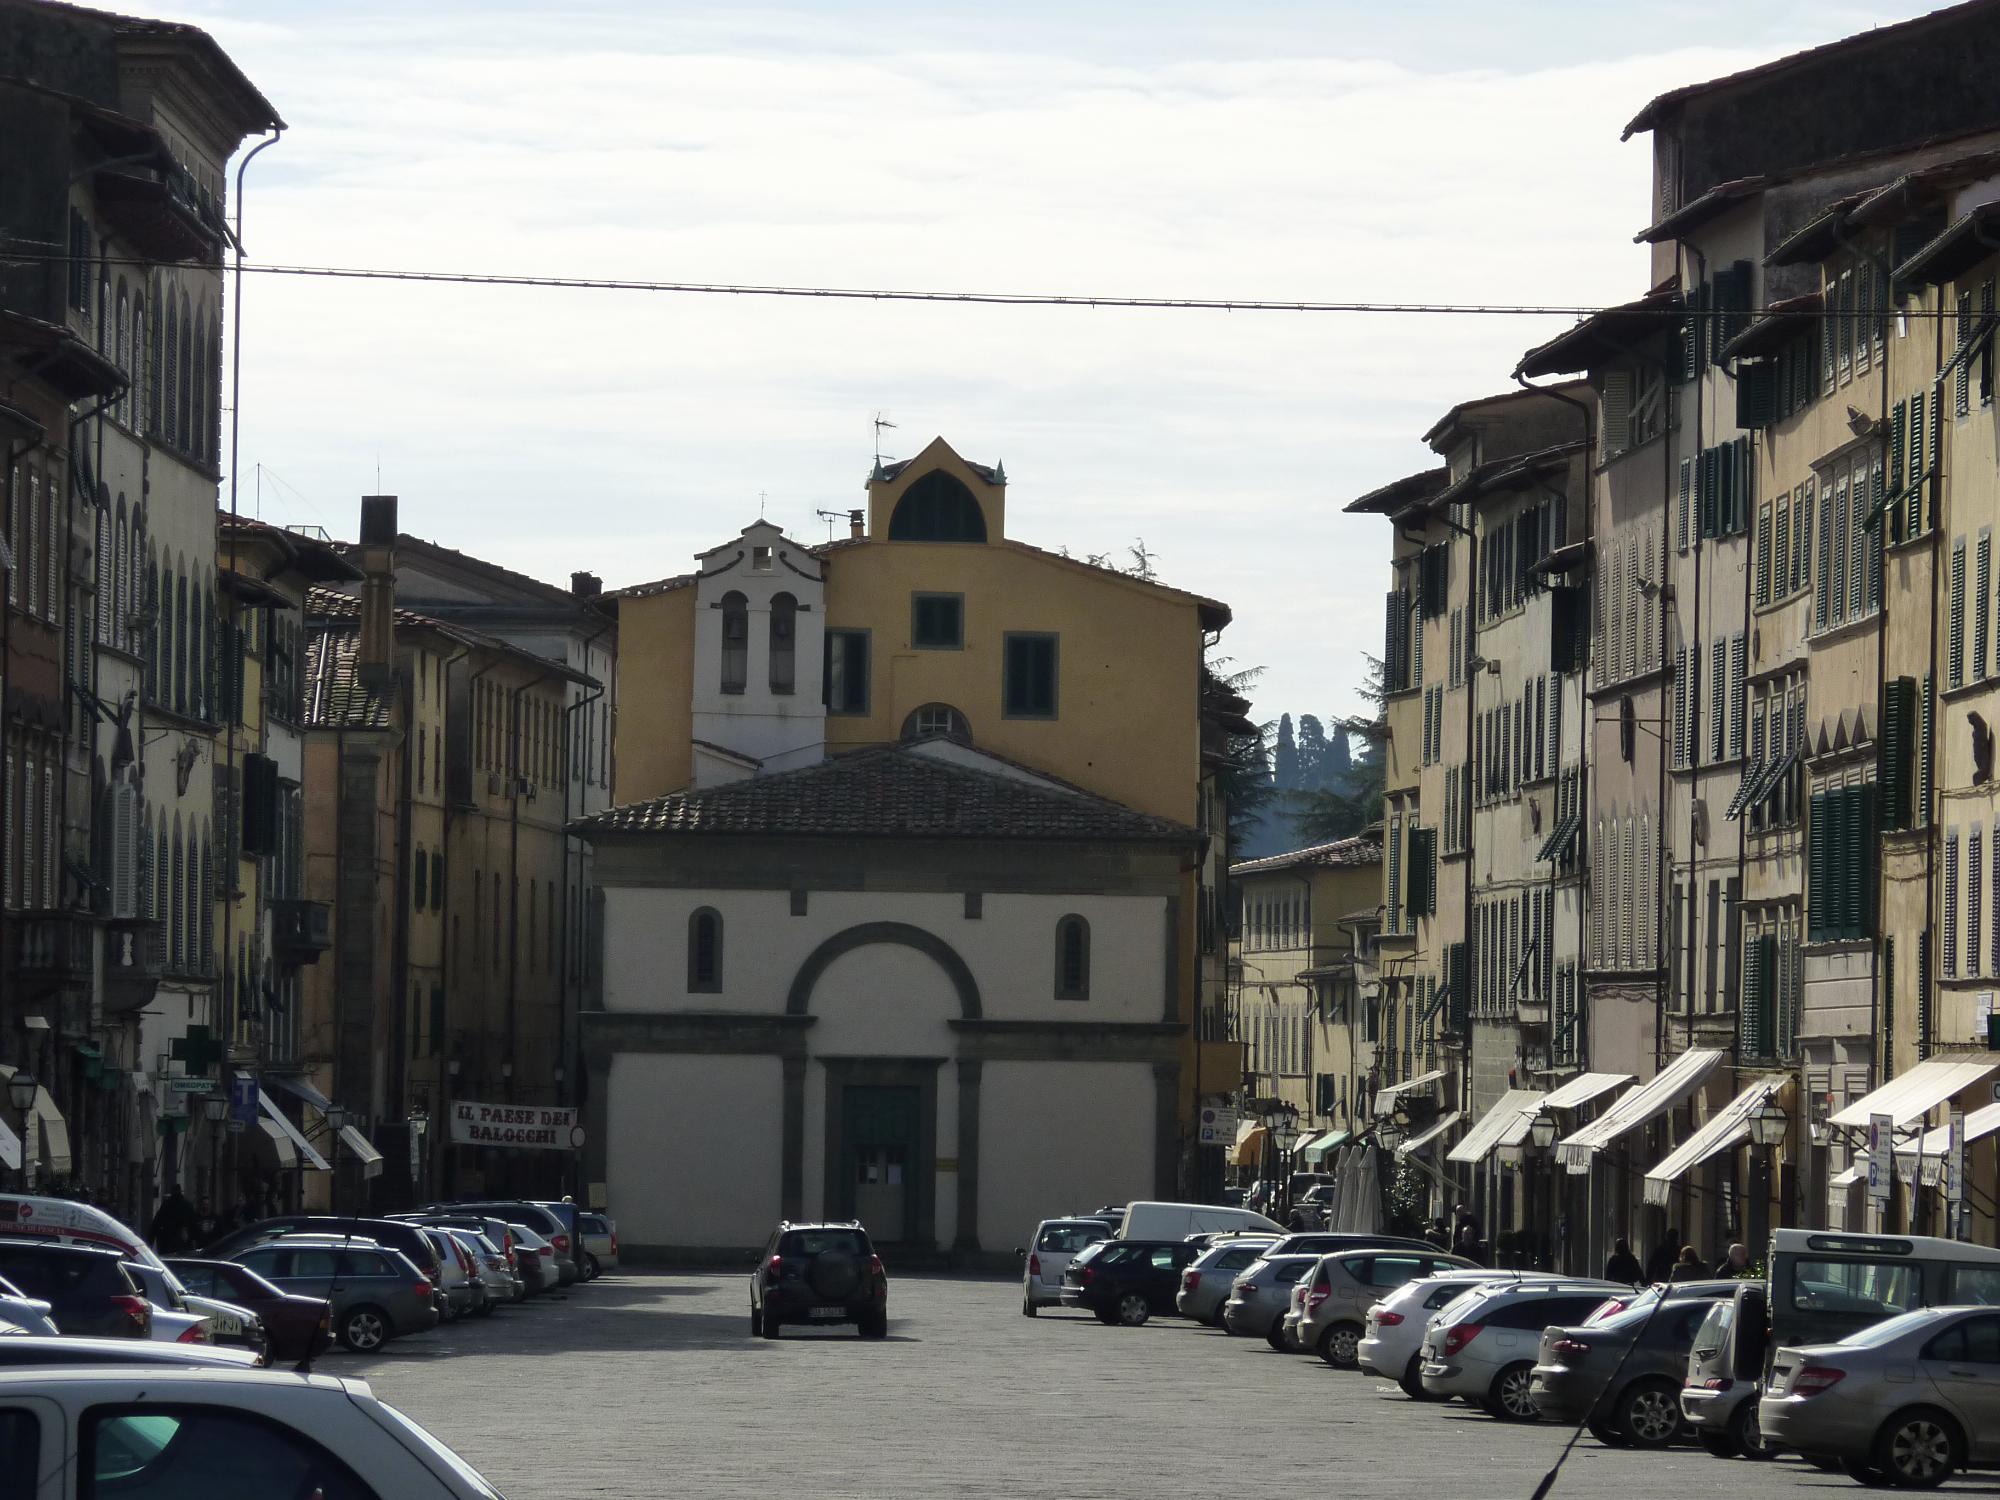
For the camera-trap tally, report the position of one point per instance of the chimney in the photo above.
(855, 527)
(375, 660)
(585, 585)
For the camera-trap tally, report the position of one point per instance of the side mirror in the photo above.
(1020, 1254)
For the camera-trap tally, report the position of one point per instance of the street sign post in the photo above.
(242, 1103)
(1954, 1177)
(1217, 1126)
(1881, 1158)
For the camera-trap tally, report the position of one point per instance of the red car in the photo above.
(299, 1327)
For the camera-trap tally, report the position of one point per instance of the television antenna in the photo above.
(881, 421)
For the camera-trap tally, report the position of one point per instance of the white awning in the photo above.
(1725, 1128)
(1912, 1095)
(1386, 1097)
(1856, 1172)
(1583, 1088)
(282, 1149)
(357, 1145)
(48, 1132)
(1930, 1148)
(10, 1147)
(1505, 1124)
(306, 1155)
(1634, 1108)
(1422, 1142)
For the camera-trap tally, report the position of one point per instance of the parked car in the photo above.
(499, 1242)
(1483, 1346)
(1334, 1297)
(1725, 1372)
(374, 1291)
(215, 1432)
(1392, 1340)
(29, 1314)
(1206, 1282)
(819, 1274)
(222, 1322)
(1126, 1281)
(1326, 1242)
(398, 1234)
(1910, 1401)
(1260, 1293)
(1056, 1240)
(1176, 1221)
(299, 1327)
(600, 1243)
(42, 1351)
(89, 1289)
(490, 1265)
(458, 1276)
(1623, 1374)
(543, 1220)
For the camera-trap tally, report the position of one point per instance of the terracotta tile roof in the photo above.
(335, 695)
(332, 605)
(657, 586)
(892, 792)
(1344, 853)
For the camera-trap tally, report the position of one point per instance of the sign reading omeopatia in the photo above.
(529, 1127)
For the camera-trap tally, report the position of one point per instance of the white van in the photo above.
(1176, 1221)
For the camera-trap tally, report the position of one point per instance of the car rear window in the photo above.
(1875, 1289)
(1283, 1271)
(48, 1275)
(1539, 1312)
(824, 1241)
(1067, 1239)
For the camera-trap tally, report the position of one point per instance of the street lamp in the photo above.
(21, 1094)
(1542, 1131)
(215, 1109)
(1769, 1126)
(1389, 1135)
(336, 1121)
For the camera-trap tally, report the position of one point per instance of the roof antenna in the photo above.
(880, 422)
(830, 516)
(760, 505)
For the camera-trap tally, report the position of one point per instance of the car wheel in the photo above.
(364, 1329)
(875, 1325)
(1027, 1305)
(1412, 1380)
(1339, 1344)
(1918, 1450)
(1863, 1472)
(1133, 1309)
(1606, 1434)
(1509, 1397)
(1718, 1444)
(756, 1322)
(591, 1269)
(770, 1324)
(1275, 1336)
(1746, 1432)
(1649, 1413)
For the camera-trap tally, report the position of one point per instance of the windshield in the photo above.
(1888, 1330)
(415, 1437)
(1063, 1239)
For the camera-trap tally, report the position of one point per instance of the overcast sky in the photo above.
(1339, 151)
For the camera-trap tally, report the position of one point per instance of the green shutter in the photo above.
(1819, 895)
(1752, 1041)
(1757, 394)
(1863, 849)
(1460, 979)
(1924, 996)
(1921, 811)
(1892, 750)
(1898, 415)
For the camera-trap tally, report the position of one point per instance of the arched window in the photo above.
(160, 877)
(105, 581)
(158, 631)
(181, 642)
(1072, 959)
(420, 874)
(142, 365)
(202, 430)
(204, 917)
(184, 413)
(934, 719)
(735, 642)
(172, 353)
(937, 508)
(705, 952)
(125, 347)
(200, 628)
(784, 642)
(121, 574)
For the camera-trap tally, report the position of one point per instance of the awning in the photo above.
(1855, 1173)
(1912, 1095)
(1583, 1088)
(1725, 1128)
(1250, 1138)
(1747, 790)
(1556, 845)
(48, 1134)
(355, 1144)
(299, 1089)
(1930, 1148)
(1634, 1108)
(1505, 1124)
(306, 1155)
(10, 1147)
(1422, 1142)
(1317, 1148)
(1386, 1097)
(276, 1145)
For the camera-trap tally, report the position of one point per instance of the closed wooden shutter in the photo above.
(1739, 665)
(1893, 749)
(1949, 968)
(1819, 893)
(1751, 1021)
(1982, 602)
(1955, 644)
(1686, 498)
(1921, 812)
(1914, 501)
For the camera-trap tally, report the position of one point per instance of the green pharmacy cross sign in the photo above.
(199, 1052)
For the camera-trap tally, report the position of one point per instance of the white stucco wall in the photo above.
(781, 730)
(693, 1145)
(1033, 1121)
(1010, 949)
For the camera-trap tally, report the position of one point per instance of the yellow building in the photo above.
(930, 623)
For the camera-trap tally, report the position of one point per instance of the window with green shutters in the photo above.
(1840, 864)
(1757, 1020)
(1458, 977)
(1961, 377)
(1681, 513)
(1975, 891)
(1924, 988)
(1802, 509)
(1764, 553)
(1422, 879)
(1921, 812)
(1955, 635)
(1894, 749)
(1823, 573)
(1914, 499)
(1950, 905)
(1982, 603)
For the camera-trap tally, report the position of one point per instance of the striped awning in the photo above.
(1423, 1141)
(1910, 1096)
(1727, 1127)
(1505, 1124)
(1583, 1088)
(1634, 1108)
(1386, 1097)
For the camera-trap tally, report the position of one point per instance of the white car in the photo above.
(217, 1432)
(1055, 1246)
(1483, 1347)
(490, 1265)
(1392, 1339)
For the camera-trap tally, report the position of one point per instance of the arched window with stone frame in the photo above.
(735, 642)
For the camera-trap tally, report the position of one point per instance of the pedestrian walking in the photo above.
(1735, 1263)
(1688, 1267)
(1660, 1264)
(175, 1225)
(1622, 1264)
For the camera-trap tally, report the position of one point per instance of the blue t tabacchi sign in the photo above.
(242, 1101)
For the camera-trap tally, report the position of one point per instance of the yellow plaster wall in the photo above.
(655, 719)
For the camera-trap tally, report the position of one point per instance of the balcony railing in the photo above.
(54, 946)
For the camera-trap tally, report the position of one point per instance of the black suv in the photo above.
(819, 1273)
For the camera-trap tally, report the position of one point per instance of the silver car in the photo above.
(1332, 1306)
(1055, 1245)
(1259, 1296)
(1725, 1372)
(1392, 1340)
(1205, 1285)
(599, 1233)
(1910, 1400)
(1483, 1346)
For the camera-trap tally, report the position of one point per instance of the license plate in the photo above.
(828, 1312)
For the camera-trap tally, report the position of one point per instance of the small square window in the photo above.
(1028, 690)
(937, 622)
(760, 559)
